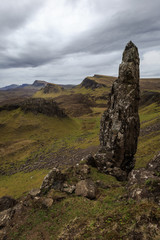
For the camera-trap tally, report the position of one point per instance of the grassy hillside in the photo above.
(31, 144)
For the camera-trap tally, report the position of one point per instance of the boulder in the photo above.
(54, 179)
(7, 202)
(86, 188)
(42, 202)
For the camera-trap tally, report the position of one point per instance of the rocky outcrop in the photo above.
(120, 125)
(36, 105)
(40, 105)
(54, 179)
(39, 83)
(9, 107)
(144, 183)
(88, 83)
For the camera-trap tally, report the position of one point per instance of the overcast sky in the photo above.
(63, 41)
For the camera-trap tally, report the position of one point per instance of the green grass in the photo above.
(148, 145)
(106, 179)
(81, 218)
(21, 183)
(25, 134)
(28, 136)
(149, 113)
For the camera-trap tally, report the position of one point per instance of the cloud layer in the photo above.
(62, 41)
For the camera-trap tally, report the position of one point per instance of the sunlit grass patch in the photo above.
(21, 183)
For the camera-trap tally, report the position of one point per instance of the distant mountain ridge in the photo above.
(36, 83)
(9, 87)
(95, 81)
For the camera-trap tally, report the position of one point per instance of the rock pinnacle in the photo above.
(120, 125)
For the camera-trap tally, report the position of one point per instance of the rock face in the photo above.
(36, 105)
(39, 105)
(54, 179)
(39, 83)
(120, 125)
(88, 83)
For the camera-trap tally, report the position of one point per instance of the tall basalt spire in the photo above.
(120, 125)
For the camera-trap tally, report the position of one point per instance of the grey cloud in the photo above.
(136, 22)
(48, 56)
(131, 23)
(14, 14)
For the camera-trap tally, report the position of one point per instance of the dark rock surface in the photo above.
(10, 107)
(88, 83)
(120, 125)
(7, 202)
(144, 183)
(45, 106)
(54, 179)
(36, 105)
